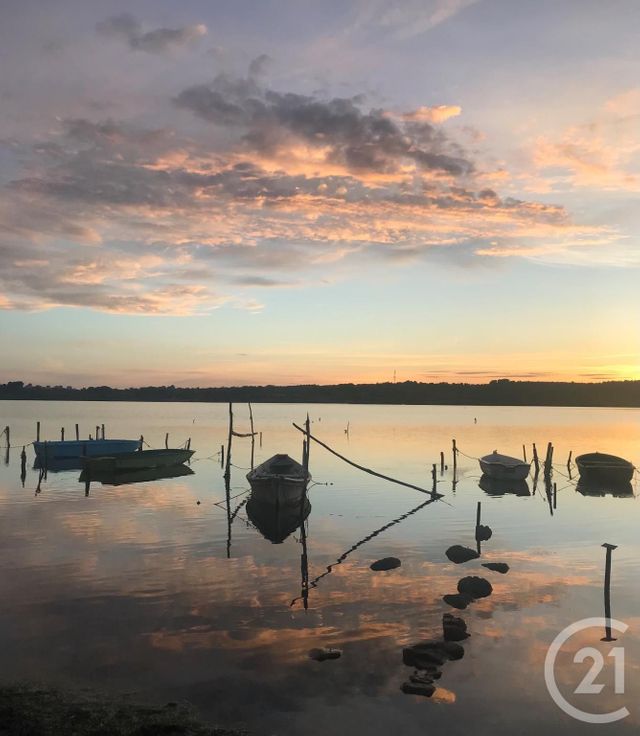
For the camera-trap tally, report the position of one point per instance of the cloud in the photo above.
(159, 41)
(405, 19)
(436, 115)
(339, 128)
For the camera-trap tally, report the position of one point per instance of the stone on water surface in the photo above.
(500, 567)
(459, 554)
(475, 587)
(386, 563)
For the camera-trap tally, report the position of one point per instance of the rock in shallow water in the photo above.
(475, 587)
(483, 533)
(320, 654)
(386, 563)
(460, 554)
(457, 600)
(500, 567)
(414, 688)
(453, 628)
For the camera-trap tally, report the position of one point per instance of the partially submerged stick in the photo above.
(366, 470)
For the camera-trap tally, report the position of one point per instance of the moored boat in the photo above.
(280, 479)
(63, 449)
(600, 468)
(143, 459)
(504, 467)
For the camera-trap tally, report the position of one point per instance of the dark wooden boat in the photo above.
(144, 459)
(599, 468)
(504, 467)
(280, 479)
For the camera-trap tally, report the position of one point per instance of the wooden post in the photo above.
(97, 435)
(478, 513)
(23, 466)
(260, 439)
(607, 591)
(227, 469)
(37, 431)
(7, 432)
(569, 460)
(555, 495)
(166, 441)
(442, 462)
(524, 453)
(307, 430)
(62, 434)
(455, 456)
(222, 456)
(536, 460)
(77, 433)
(548, 459)
(433, 477)
(253, 436)
(102, 428)
(189, 443)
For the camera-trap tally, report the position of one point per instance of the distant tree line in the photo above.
(502, 392)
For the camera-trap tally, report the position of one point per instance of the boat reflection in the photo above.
(594, 488)
(496, 487)
(276, 523)
(58, 465)
(143, 475)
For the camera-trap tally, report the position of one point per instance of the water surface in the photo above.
(146, 589)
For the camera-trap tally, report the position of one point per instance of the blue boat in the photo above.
(64, 449)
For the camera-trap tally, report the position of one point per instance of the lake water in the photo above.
(140, 589)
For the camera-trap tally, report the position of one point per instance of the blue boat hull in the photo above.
(83, 448)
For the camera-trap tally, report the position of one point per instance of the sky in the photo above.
(223, 193)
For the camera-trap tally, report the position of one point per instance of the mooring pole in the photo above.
(7, 432)
(536, 460)
(455, 457)
(222, 456)
(555, 495)
(166, 441)
(102, 428)
(253, 436)
(442, 462)
(227, 469)
(61, 434)
(524, 453)
(77, 433)
(607, 591)
(433, 477)
(37, 431)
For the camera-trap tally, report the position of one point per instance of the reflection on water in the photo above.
(173, 588)
(496, 487)
(277, 522)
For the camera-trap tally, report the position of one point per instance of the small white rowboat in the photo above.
(503, 467)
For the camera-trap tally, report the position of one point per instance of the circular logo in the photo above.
(588, 684)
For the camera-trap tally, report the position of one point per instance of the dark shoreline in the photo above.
(29, 709)
(503, 392)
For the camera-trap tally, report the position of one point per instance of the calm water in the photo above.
(139, 589)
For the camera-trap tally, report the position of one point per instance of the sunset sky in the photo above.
(280, 191)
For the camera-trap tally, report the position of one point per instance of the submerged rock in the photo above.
(460, 554)
(500, 567)
(415, 688)
(483, 533)
(423, 659)
(453, 628)
(475, 587)
(386, 563)
(320, 654)
(457, 600)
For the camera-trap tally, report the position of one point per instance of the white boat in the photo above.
(503, 467)
(63, 449)
(279, 480)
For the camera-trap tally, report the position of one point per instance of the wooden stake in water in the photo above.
(536, 460)
(166, 441)
(227, 469)
(62, 434)
(77, 433)
(524, 453)
(102, 428)
(607, 591)
(37, 431)
(23, 466)
(253, 437)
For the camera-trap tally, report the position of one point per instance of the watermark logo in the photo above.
(589, 684)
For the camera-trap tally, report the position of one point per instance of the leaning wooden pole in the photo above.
(253, 436)
(365, 470)
(227, 469)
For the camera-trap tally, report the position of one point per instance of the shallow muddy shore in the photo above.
(28, 709)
